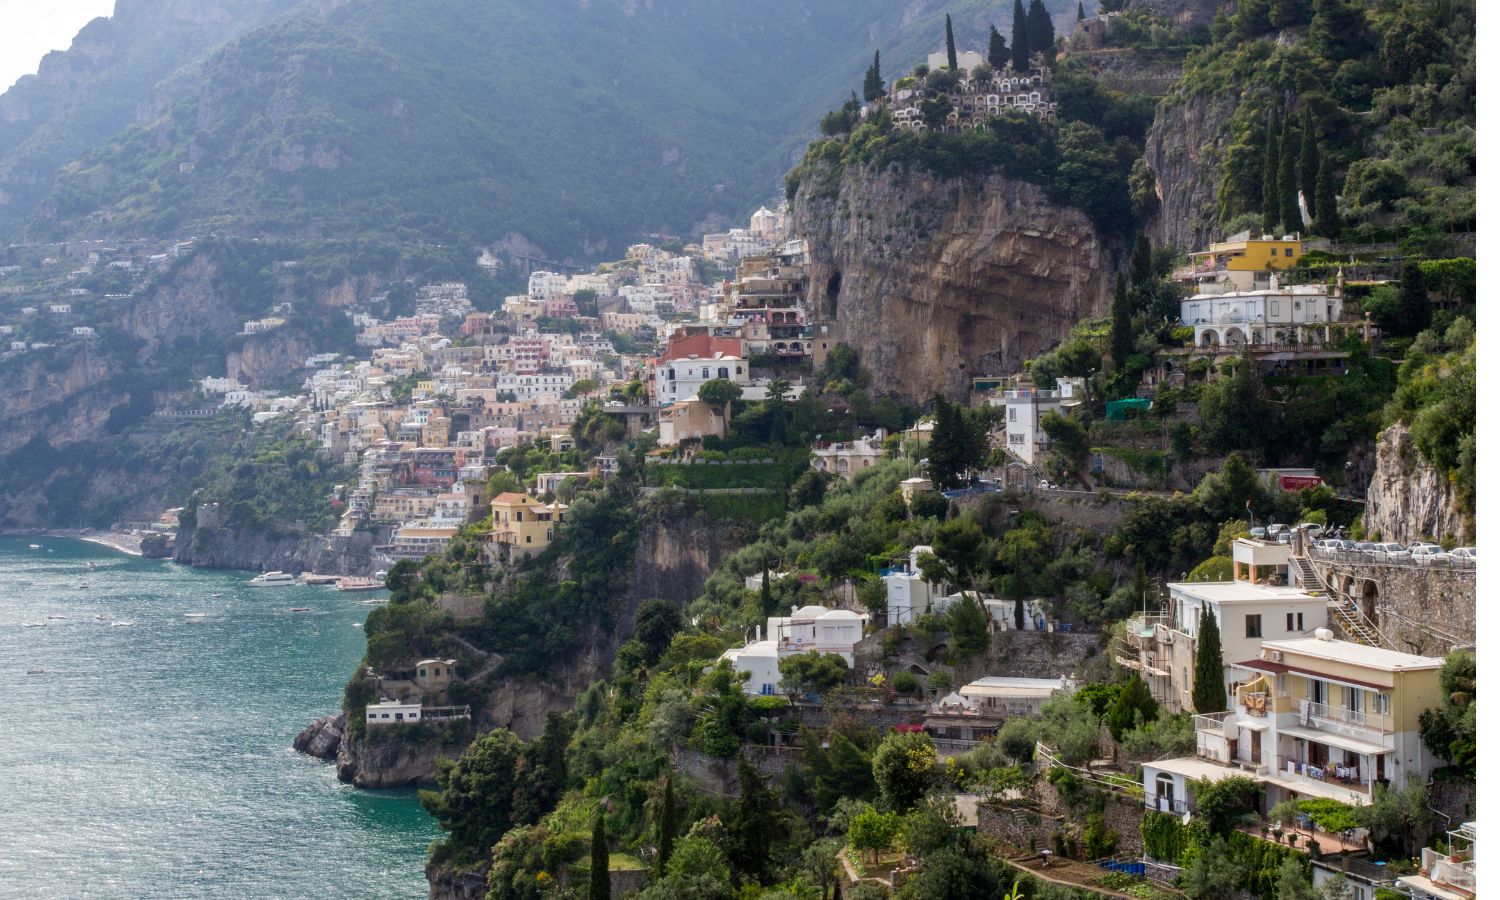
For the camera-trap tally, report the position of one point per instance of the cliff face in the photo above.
(244, 548)
(267, 358)
(937, 281)
(1185, 149)
(1408, 498)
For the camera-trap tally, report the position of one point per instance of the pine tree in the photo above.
(1121, 333)
(952, 47)
(666, 827)
(948, 451)
(874, 85)
(1307, 162)
(1327, 223)
(1141, 270)
(1290, 13)
(756, 822)
(767, 603)
(999, 54)
(1414, 311)
(599, 862)
(1208, 667)
(1020, 48)
(1081, 16)
(1286, 180)
(1270, 205)
(1040, 33)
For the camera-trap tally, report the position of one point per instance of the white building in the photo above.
(845, 458)
(1297, 314)
(967, 60)
(1026, 405)
(809, 629)
(908, 594)
(760, 660)
(679, 379)
(390, 712)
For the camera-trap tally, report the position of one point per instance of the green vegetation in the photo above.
(1436, 398)
(1450, 730)
(1208, 668)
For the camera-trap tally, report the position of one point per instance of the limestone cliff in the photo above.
(265, 359)
(243, 548)
(1408, 498)
(1185, 148)
(937, 281)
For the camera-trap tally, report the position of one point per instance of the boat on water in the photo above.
(83, 585)
(34, 624)
(34, 546)
(273, 579)
(351, 583)
(380, 601)
(57, 617)
(299, 609)
(216, 594)
(100, 616)
(121, 624)
(319, 579)
(195, 616)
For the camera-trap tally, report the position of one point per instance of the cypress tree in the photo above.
(599, 862)
(952, 47)
(1140, 262)
(1040, 33)
(666, 827)
(1081, 16)
(767, 603)
(1286, 186)
(874, 85)
(1307, 162)
(1121, 333)
(755, 824)
(1327, 224)
(1270, 205)
(1020, 48)
(999, 54)
(1208, 667)
(1415, 308)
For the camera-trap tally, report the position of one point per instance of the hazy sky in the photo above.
(30, 28)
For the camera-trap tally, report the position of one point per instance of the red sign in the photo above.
(1299, 482)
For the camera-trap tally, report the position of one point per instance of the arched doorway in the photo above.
(1369, 597)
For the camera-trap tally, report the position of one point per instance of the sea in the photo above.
(145, 755)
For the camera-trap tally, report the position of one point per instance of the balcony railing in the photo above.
(1338, 715)
(1447, 871)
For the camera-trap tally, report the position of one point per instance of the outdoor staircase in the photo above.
(1354, 622)
(1308, 575)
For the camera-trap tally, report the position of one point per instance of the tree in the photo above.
(1400, 819)
(1325, 201)
(1142, 268)
(599, 861)
(656, 623)
(698, 869)
(583, 387)
(872, 831)
(874, 85)
(957, 445)
(1414, 309)
(999, 54)
(969, 627)
(1290, 13)
(1214, 873)
(1226, 803)
(1307, 162)
(813, 672)
(1234, 409)
(1121, 331)
(1020, 48)
(1081, 16)
(960, 871)
(1449, 729)
(821, 863)
(1339, 30)
(843, 770)
(905, 767)
(1270, 185)
(952, 47)
(719, 392)
(1208, 667)
(666, 826)
(473, 802)
(755, 824)
(1068, 439)
(959, 548)
(1286, 178)
(767, 601)
(1133, 706)
(1040, 32)
(935, 112)
(1070, 727)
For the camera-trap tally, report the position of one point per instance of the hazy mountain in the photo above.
(575, 125)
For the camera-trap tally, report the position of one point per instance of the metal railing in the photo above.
(1354, 718)
(1376, 558)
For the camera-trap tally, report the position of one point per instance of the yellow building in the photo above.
(1241, 258)
(1317, 718)
(523, 525)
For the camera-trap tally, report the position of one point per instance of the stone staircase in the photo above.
(1308, 575)
(1355, 625)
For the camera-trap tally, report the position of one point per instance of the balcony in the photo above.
(1449, 871)
(1323, 714)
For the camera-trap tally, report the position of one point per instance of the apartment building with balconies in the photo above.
(1314, 718)
(1263, 602)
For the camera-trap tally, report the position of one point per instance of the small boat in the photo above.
(34, 624)
(216, 594)
(350, 583)
(93, 565)
(121, 624)
(34, 546)
(299, 609)
(57, 617)
(358, 625)
(273, 579)
(195, 616)
(100, 616)
(83, 585)
(378, 602)
(36, 671)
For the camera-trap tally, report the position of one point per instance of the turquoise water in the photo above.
(155, 760)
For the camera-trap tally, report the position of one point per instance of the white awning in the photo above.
(1335, 740)
(1252, 725)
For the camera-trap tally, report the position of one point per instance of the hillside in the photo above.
(594, 124)
(118, 71)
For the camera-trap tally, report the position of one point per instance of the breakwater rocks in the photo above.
(321, 739)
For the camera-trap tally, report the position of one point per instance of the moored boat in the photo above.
(273, 579)
(351, 583)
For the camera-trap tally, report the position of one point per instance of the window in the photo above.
(1012, 413)
(1317, 691)
(1294, 621)
(421, 673)
(1252, 626)
(1382, 704)
(723, 372)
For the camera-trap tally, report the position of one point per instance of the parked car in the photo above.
(1392, 551)
(1427, 554)
(1365, 546)
(1283, 537)
(1258, 533)
(1466, 552)
(1335, 544)
(1274, 529)
(1044, 484)
(1313, 529)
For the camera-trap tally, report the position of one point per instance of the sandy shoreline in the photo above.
(129, 544)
